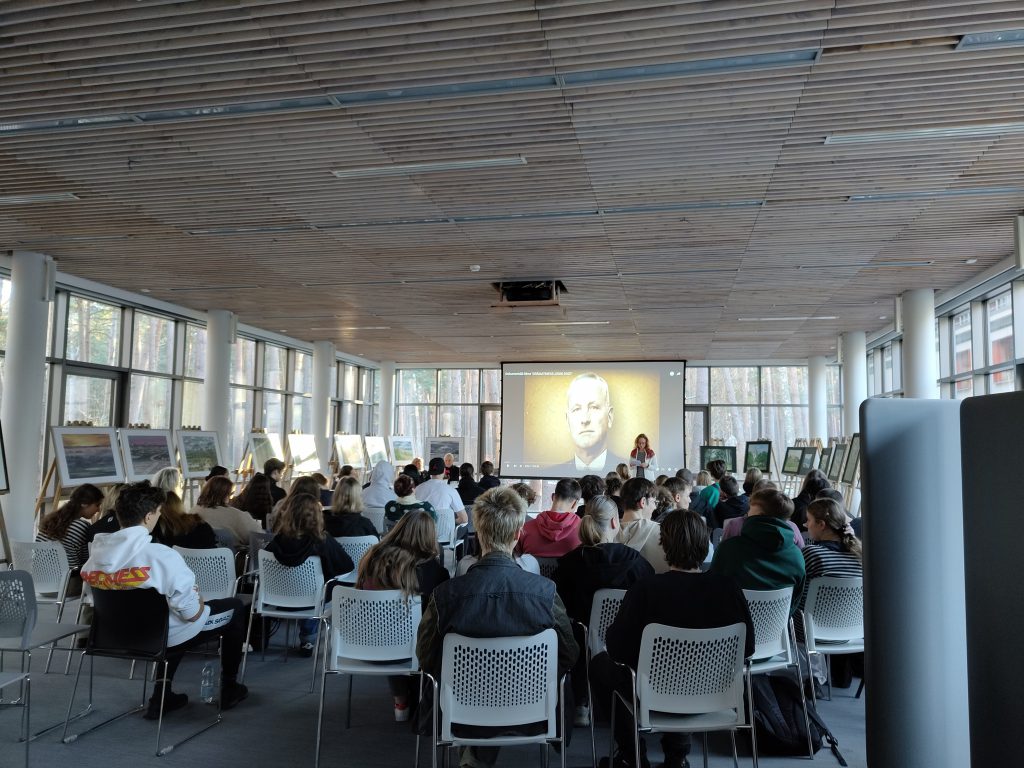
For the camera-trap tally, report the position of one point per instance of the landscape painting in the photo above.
(437, 447)
(146, 452)
(87, 455)
(376, 449)
(791, 464)
(726, 453)
(302, 450)
(807, 460)
(264, 447)
(852, 460)
(835, 467)
(758, 455)
(200, 452)
(826, 454)
(402, 450)
(349, 450)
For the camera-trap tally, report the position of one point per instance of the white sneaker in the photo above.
(401, 713)
(582, 717)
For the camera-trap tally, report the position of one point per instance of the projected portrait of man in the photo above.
(589, 414)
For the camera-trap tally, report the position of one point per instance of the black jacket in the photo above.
(727, 509)
(293, 552)
(348, 524)
(468, 490)
(489, 481)
(678, 599)
(800, 503)
(200, 537)
(587, 569)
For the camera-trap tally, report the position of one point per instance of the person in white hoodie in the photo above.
(381, 489)
(129, 559)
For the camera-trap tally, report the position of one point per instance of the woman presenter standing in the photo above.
(642, 455)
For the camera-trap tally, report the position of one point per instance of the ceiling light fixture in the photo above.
(409, 169)
(568, 322)
(217, 287)
(976, 40)
(978, 130)
(970, 261)
(253, 230)
(885, 197)
(868, 265)
(39, 197)
(783, 319)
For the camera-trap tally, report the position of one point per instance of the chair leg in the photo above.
(590, 702)
(860, 689)
(348, 705)
(26, 727)
(71, 703)
(750, 714)
(611, 732)
(245, 647)
(320, 718)
(164, 684)
(321, 629)
(433, 733)
(735, 754)
(564, 742)
(828, 675)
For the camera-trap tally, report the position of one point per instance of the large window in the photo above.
(94, 332)
(980, 345)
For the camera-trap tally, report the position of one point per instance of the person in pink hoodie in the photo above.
(556, 532)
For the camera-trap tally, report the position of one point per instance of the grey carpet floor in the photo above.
(276, 725)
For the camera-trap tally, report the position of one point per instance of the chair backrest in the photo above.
(499, 681)
(46, 561)
(374, 625)
(128, 623)
(602, 613)
(376, 516)
(834, 611)
(226, 538)
(445, 525)
(17, 605)
(769, 610)
(286, 587)
(214, 570)
(547, 566)
(257, 541)
(356, 546)
(690, 671)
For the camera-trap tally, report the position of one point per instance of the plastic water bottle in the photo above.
(206, 688)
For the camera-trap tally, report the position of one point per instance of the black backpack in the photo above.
(779, 720)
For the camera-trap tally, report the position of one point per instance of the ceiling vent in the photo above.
(529, 293)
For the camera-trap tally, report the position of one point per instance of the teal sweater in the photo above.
(764, 556)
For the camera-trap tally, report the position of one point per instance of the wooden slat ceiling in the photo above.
(675, 208)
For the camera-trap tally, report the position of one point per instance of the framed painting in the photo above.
(726, 453)
(376, 449)
(852, 462)
(835, 466)
(302, 454)
(349, 450)
(758, 455)
(403, 450)
(264, 447)
(823, 460)
(146, 452)
(200, 452)
(437, 447)
(791, 463)
(87, 455)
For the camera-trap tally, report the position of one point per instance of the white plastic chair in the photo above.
(603, 611)
(372, 633)
(48, 564)
(356, 546)
(376, 516)
(214, 570)
(775, 640)
(690, 681)
(501, 682)
(834, 618)
(290, 594)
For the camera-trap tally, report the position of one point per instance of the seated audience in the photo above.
(448, 507)
(468, 488)
(69, 525)
(687, 476)
(301, 485)
(622, 471)
(298, 535)
(613, 489)
(382, 486)
(680, 489)
(554, 532)
(345, 518)
(835, 551)
(734, 526)
(212, 506)
(681, 597)
(176, 528)
(216, 471)
(256, 498)
(526, 493)
(495, 598)
(405, 501)
(750, 479)
(272, 470)
(764, 555)
(590, 486)
(814, 483)
(710, 494)
(489, 479)
(326, 494)
(732, 505)
(106, 519)
(600, 563)
(405, 559)
(191, 621)
(660, 480)
(414, 473)
(638, 531)
(664, 502)
(451, 470)
(418, 464)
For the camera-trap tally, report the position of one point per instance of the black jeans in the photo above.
(232, 632)
(605, 677)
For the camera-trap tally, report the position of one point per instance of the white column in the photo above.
(855, 379)
(24, 393)
(920, 361)
(324, 360)
(387, 397)
(217, 389)
(817, 392)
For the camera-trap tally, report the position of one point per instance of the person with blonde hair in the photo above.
(496, 598)
(345, 516)
(599, 563)
(298, 535)
(405, 559)
(177, 528)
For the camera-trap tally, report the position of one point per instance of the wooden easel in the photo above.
(43, 497)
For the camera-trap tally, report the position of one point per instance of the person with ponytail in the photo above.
(835, 550)
(599, 563)
(405, 559)
(69, 524)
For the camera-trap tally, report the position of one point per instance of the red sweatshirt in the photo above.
(550, 534)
